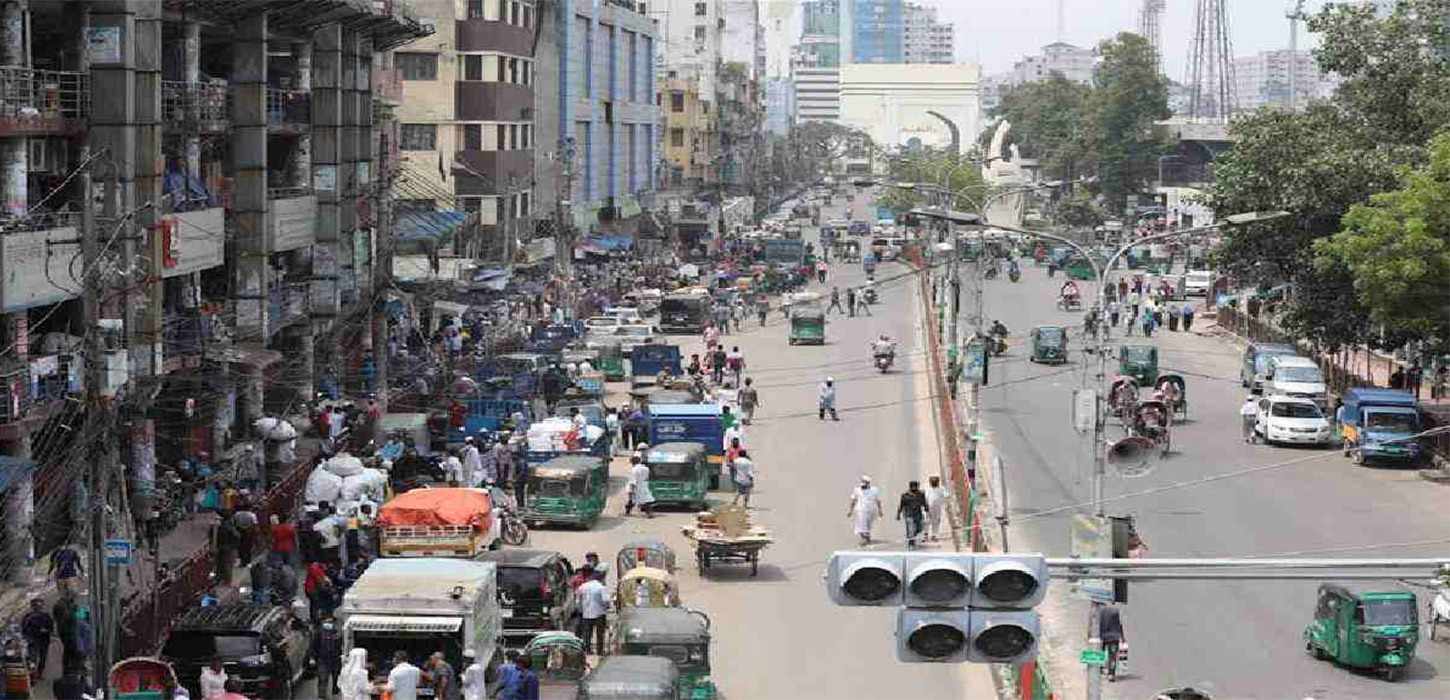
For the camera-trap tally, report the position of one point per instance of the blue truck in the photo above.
(1376, 425)
(698, 423)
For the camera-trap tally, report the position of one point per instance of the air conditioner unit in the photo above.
(38, 161)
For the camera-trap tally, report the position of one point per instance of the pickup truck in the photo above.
(456, 522)
(1375, 424)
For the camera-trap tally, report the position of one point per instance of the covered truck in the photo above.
(697, 423)
(459, 522)
(420, 606)
(1379, 425)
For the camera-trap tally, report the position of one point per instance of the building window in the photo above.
(513, 137)
(524, 204)
(471, 205)
(528, 17)
(677, 102)
(418, 137)
(503, 137)
(514, 13)
(699, 33)
(475, 9)
(473, 67)
(701, 9)
(472, 137)
(677, 137)
(416, 66)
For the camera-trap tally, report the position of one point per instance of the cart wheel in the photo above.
(700, 561)
(754, 564)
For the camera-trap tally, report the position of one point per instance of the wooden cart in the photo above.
(726, 534)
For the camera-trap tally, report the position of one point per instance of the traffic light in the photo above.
(954, 607)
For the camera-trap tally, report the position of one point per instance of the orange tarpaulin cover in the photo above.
(437, 507)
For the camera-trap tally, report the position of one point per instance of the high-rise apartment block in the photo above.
(1262, 79)
(925, 39)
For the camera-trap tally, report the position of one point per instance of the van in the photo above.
(1197, 283)
(1377, 424)
(1256, 363)
(1296, 377)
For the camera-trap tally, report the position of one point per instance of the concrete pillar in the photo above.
(143, 308)
(19, 507)
(367, 173)
(191, 71)
(326, 159)
(14, 153)
(249, 196)
(306, 369)
(302, 159)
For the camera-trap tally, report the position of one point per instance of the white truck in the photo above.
(420, 606)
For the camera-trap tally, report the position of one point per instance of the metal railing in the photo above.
(51, 93)
(193, 104)
(288, 107)
(40, 221)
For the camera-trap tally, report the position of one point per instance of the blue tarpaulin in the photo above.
(428, 224)
(604, 245)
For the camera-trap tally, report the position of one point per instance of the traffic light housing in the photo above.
(953, 607)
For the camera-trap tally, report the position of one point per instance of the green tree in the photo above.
(1397, 249)
(1118, 120)
(1047, 122)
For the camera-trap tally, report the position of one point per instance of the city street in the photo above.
(1234, 639)
(777, 635)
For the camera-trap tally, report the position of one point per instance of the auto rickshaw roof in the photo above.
(673, 452)
(670, 397)
(662, 625)
(1138, 352)
(553, 639)
(622, 676)
(1362, 592)
(809, 314)
(649, 573)
(566, 466)
(647, 545)
(1048, 330)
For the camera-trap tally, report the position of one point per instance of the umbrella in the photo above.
(275, 429)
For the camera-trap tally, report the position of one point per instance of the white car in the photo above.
(1292, 421)
(1197, 283)
(602, 324)
(634, 334)
(627, 315)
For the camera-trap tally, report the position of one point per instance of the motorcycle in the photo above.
(1015, 275)
(997, 340)
(870, 295)
(991, 273)
(884, 361)
(513, 530)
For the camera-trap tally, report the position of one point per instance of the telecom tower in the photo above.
(1210, 65)
(1150, 27)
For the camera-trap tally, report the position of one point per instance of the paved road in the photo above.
(777, 635)
(1239, 639)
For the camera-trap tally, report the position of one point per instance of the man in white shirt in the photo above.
(578, 420)
(403, 679)
(639, 491)
(744, 475)
(1249, 412)
(454, 468)
(593, 609)
(936, 502)
(472, 463)
(213, 681)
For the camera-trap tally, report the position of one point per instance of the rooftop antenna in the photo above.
(1294, 14)
(1210, 65)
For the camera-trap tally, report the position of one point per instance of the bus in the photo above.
(685, 312)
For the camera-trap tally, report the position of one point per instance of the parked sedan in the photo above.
(1291, 420)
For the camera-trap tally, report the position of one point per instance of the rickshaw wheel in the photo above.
(1392, 674)
(1314, 651)
(1357, 456)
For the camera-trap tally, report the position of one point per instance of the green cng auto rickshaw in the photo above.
(1049, 344)
(632, 678)
(569, 490)
(678, 634)
(1364, 629)
(1139, 362)
(611, 361)
(807, 327)
(679, 473)
(558, 660)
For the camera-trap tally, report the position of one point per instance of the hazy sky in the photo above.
(998, 32)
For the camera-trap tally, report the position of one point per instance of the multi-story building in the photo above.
(1263, 79)
(1059, 58)
(816, 62)
(597, 116)
(779, 105)
(892, 103)
(876, 31)
(245, 158)
(692, 32)
(466, 124)
(743, 36)
(925, 39)
(691, 138)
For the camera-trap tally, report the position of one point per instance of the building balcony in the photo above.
(493, 102)
(486, 35)
(288, 303)
(288, 111)
(183, 340)
(40, 102)
(195, 107)
(492, 172)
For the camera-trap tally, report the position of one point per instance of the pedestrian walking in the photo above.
(864, 509)
(735, 363)
(1135, 301)
(1114, 312)
(718, 359)
(403, 679)
(851, 302)
(1110, 630)
(37, 627)
(1397, 378)
(353, 682)
(213, 680)
(912, 509)
(821, 271)
(743, 472)
(639, 492)
(328, 655)
(593, 613)
(1248, 415)
(474, 681)
(762, 310)
(65, 566)
(739, 311)
(1173, 316)
(283, 536)
(248, 468)
(865, 307)
(442, 679)
(246, 522)
(835, 301)
(472, 463)
(64, 614)
(528, 682)
(936, 502)
(1414, 378)
(1438, 383)
(749, 399)
(1148, 323)
(826, 399)
(1187, 317)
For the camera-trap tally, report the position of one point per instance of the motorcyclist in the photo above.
(998, 333)
(1069, 290)
(883, 346)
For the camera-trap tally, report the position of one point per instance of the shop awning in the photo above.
(428, 224)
